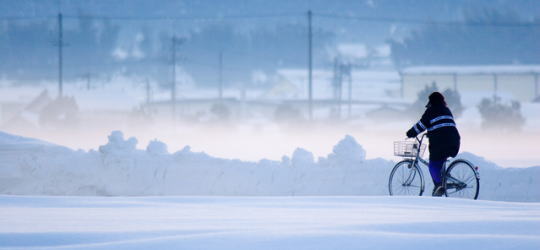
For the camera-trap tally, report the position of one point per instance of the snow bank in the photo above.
(9, 140)
(31, 167)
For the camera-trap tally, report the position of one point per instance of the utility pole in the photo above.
(310, 67)
(401, 84)
(175, 41)
(148, 92)
(337, 85)
(60, 54)
(495, 84)
(87, 76)
(454, 79)
(220, 87)
(349, 91)
(536, 88)
(173, 84)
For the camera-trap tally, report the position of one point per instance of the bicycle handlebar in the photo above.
(416, 137)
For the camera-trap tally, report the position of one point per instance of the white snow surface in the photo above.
(32, 167)
(377, 222)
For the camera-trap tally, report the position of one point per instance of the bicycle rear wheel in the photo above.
(406, 179)
(462, 180)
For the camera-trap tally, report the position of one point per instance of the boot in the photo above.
(438, 191)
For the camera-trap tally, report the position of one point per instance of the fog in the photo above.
(270, 141)
(231, 78)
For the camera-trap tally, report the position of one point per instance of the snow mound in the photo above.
(119, 168)
(117, 144)
(346, 152)
(156, 147)
(302, 157)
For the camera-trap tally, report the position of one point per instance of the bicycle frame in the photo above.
(444, 178)
(417, 158)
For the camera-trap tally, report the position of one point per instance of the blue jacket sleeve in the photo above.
(420, 126)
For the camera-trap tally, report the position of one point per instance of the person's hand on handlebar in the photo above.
(410, 134)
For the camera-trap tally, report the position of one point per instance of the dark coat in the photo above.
(444, 139)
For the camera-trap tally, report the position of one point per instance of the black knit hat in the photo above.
(436, 98)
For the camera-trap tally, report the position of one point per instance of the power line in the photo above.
(157, 18)
(200, 18)
(421, 21)
(9, 18)
(283, 15)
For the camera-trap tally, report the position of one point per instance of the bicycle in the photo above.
(460, 179)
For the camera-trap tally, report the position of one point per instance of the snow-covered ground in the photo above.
(338, 201)
(118, 168)
(266, 223)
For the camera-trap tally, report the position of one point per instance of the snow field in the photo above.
(32, 167)
(377, 222)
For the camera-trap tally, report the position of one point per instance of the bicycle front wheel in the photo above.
(406, 179)
(462, 180)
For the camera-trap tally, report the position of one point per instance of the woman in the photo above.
(443, 137)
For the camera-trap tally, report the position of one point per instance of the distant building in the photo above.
(519, 82)
(367, 84)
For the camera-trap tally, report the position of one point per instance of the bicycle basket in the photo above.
(408, 148)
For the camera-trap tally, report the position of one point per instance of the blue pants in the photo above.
(435, 168)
